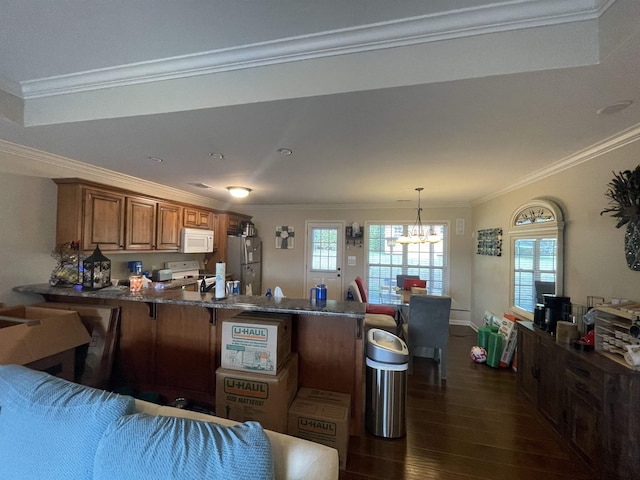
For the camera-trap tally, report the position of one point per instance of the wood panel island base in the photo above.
(170, 340)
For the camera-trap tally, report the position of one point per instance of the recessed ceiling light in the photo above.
(285, 151)
(239, 192)
(156, 159)
(216, 155)
(199, 185)
(614, 107)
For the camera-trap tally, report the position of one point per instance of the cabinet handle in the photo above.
(580, 371)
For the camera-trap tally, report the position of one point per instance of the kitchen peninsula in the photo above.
(170, 339)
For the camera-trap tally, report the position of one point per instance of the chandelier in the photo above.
(418, 234)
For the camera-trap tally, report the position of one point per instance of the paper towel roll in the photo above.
(220, 277)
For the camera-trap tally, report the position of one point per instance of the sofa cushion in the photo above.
(49, 427)
(141, 446)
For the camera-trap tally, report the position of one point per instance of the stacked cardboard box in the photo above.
(322, 416)
(258, 378)
(254, 342)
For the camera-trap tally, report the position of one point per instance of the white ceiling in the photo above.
(466, 98)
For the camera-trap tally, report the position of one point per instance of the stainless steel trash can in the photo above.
(386, 384)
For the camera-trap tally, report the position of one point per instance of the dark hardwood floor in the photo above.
(473, 426)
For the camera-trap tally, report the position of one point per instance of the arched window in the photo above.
(536, 235)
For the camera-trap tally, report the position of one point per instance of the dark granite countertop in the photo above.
(177, 296)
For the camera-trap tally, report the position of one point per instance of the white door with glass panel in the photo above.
(324, 258)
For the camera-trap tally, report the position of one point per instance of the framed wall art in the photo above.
(285, 237)
(490, 242)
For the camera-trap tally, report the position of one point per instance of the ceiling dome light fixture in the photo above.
(285, 151)
(239, 192)
(216, 155)
(417, 234)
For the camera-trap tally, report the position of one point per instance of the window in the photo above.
(536, 255)
(324, 248)
(535, 262)
(386, 259)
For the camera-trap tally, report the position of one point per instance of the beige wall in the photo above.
(594, 249)
(285, 268)
(28, 219)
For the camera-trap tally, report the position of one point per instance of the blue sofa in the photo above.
(54, 429)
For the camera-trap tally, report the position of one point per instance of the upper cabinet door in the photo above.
(103, 220)
(196, 218)
(141, 224)
(169, 225)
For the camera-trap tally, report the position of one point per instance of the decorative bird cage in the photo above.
(96, 271)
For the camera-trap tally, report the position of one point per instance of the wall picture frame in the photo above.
(490, 242)
(285, 237)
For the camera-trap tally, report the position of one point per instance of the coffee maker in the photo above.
(547, 314)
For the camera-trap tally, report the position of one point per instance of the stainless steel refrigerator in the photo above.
(244, 262)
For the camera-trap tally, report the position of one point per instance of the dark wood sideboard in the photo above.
(591, 401)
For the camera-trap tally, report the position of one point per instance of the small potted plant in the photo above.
(624, 205)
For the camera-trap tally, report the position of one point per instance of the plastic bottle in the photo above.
(268, 294)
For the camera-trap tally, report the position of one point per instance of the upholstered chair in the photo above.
(375, 320)
(427, 332)
(383, 309)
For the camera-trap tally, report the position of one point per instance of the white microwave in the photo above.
(195, 240)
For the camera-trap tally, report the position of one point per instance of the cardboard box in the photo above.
(254, 342)
(94, 363)
(508, 330)
(41, 338)
(243, 396)
(323, 417)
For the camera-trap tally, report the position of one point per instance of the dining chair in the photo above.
(383, 309)
(401, 278)
(428, 329)
(375, 320)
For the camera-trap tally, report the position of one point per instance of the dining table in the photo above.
(401, 299)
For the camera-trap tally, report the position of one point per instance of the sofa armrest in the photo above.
(294, 458)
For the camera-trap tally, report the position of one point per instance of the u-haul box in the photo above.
(256, 343)
(243, 396)
(322, 417)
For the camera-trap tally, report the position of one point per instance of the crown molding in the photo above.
(56, 166)
(10, 86)
(494, 18)
(608, 145)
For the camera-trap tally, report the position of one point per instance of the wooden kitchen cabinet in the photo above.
(152, 225)
(168, 226)
(198, 218)
(141, 224)
(123, 221)
(103, 220)
(234, 223)
(216, 231)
